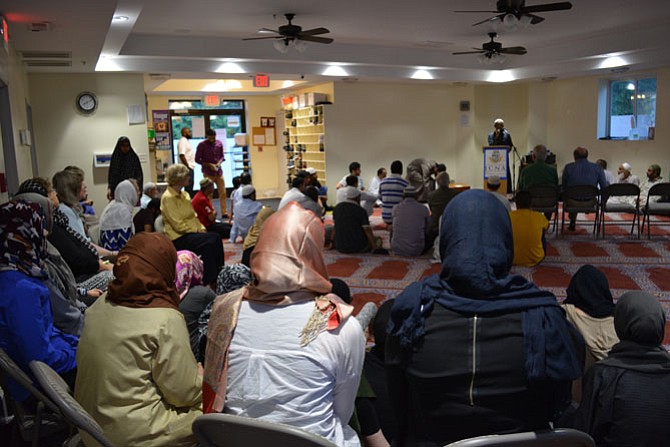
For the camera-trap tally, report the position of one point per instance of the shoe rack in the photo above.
(304, 141)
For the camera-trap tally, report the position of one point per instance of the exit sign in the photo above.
(262, 80)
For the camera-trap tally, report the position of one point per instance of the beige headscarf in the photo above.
(289, 268)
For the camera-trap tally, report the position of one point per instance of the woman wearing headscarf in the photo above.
(137, 376)
(124, 165)
(589, 306)
(284, 348)
(626, 395)
(252, 237)
(27, 330)
(183, 227)
(193, 296)
(475, 350)
(116, 221)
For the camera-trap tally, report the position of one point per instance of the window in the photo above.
(627, 109)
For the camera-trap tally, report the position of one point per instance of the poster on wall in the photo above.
(161, 120)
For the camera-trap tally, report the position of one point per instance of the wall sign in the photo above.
(262, 80)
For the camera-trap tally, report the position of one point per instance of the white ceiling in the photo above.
(375, 40)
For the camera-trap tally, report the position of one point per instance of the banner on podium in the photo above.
(495, 161)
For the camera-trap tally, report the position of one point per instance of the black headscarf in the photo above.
(589, 291)
(639, 321)
(477, 250)
(124, 166)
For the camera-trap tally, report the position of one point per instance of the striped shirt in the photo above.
(390, 193)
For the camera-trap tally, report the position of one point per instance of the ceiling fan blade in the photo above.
(315, 39)
(490, 12)
(535, 19)
(490, 19)
(470, 52)
(513, 50)
(267, 30)
(264, 37)
(560, 6)
(314, 32)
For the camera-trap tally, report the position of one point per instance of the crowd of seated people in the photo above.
(472, 350)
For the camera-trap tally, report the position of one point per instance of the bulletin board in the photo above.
(263, 136)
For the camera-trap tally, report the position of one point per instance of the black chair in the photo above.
(227, 430)
(561, 437)
(581, 199)
(544, 199)
(626, 198)
(59, 391)
(47, 420)
(657, 205)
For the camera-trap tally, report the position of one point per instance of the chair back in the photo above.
(227, 430)
(56, 388)
(661, 190)
(620, 189)
(581, 199)
(543, 197)
(10, 369)
(561, 437)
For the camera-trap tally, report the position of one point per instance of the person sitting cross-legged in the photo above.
(246, 210)
(352, 232)
(410, 225)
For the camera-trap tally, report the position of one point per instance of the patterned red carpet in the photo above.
(628, 263)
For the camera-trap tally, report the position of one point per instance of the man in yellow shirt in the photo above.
(528, 228)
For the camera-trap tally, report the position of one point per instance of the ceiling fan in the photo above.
(517, 9)
(492, 50)
(291, 32)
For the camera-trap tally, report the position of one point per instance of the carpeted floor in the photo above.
(628, 263)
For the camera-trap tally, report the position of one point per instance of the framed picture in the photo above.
(102, 159)
(268, 121)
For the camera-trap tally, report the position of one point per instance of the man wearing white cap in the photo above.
(626, 176)
(245, 213)
(352, 232)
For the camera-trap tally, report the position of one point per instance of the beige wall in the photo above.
(64, 137)
(14, 75)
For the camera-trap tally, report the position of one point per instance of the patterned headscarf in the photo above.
(145, 273)
(34, 186)
(190, 270)
(289, 268)
(60, 219)
(23, 242)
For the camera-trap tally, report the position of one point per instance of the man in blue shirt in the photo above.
(582, 172)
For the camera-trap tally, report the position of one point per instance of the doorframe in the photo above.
(8, 147)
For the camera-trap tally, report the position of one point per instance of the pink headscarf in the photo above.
(190, 271)
(289, 268)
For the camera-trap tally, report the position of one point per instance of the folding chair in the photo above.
(59, 391)
(561, 437)
(544, 199)
(227, 430)
(626, 200)
(46, 421)
(581, 199)
(656, 208)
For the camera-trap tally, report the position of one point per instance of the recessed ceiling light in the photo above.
(335, 70)
(500, 76)
(120, 19)
(422, 74)
(230, 67)
(287, 84)
(611, 62)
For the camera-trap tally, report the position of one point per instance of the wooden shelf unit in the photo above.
(305, 143)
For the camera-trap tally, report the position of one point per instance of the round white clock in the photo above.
(86, 102)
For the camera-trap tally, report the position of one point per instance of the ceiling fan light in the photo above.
(500, 58)
(281, 45)
(510, 21)
(484, 59)
(300, 46)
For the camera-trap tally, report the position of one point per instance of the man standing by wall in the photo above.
(209, 154)
(186, 155)
(582, 172)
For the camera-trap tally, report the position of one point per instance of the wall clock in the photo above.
(86, 103)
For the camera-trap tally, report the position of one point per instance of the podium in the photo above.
(496, 163)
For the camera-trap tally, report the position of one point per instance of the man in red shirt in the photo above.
(202, 204)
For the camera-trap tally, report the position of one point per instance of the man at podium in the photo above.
(500, 136)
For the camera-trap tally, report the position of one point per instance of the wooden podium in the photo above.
(496, 163)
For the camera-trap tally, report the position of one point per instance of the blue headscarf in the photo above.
(477, 251)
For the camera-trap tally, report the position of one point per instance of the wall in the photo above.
(264, 163)
(14, 75)
(64, 137)
(375, 124)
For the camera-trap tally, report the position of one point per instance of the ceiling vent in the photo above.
(39, 26)
(47, 63)
(46, 54)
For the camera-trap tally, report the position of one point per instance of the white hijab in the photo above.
(118, 214)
